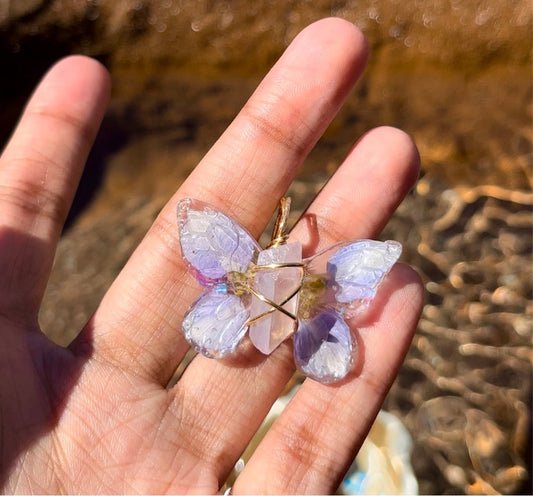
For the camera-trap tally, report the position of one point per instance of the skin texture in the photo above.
(97, 417)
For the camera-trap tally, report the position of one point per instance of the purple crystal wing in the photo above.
(357, 269)
(216, 323)
(212, 243)
(323, 348)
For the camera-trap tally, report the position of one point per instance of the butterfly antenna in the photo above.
(279, 236)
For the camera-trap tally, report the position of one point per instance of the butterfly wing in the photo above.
(216, 322)
(355, 271)
(323, 347)
(212, 243)
(343, 278)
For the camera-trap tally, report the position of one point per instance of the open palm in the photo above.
(97, 416)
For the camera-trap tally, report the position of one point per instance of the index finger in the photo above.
(39, 172)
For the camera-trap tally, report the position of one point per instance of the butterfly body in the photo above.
(274, 294)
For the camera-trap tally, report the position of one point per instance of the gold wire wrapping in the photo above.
(279, 237)
(273, 305)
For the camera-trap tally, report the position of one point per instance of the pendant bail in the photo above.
(279, 236)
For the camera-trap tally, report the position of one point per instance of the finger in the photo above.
(228, 403)
(39, 173)
(312, 444)
(359, 199)
(249, 168)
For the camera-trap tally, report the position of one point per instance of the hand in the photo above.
(97, 417)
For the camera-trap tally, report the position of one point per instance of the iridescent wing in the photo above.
(216, 323)
(356, 270)
(214, 246)
(350, 274)
(323, 348)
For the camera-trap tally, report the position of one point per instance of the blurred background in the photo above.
(455, 74)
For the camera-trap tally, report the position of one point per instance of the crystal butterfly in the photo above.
(274, 293)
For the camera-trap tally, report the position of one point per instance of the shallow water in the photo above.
(455, 74)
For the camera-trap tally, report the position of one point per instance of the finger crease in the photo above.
(33, 200)
(81, 127)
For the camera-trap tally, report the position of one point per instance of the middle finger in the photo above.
(244, 174)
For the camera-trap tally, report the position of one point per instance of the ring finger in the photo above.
(248, 392)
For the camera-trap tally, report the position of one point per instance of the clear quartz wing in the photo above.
(216, 322)
(341, 280)
(323, 347)
(357, 269)
(212, 243)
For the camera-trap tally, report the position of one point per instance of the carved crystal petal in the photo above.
(212, 243)
(323, 347)
(215, 324)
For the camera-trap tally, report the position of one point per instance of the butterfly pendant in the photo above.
(274, 294)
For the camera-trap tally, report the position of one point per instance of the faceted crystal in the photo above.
(276, 285)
